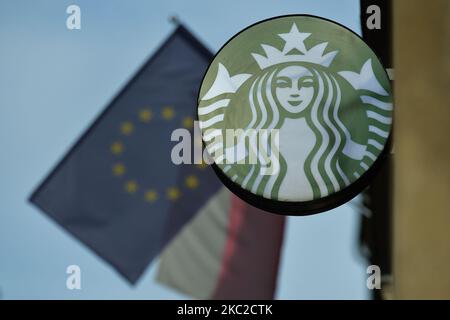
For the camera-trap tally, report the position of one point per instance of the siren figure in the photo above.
(298, 98)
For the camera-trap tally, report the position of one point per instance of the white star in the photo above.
(294, 40)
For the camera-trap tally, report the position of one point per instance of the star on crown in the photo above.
(294, 40)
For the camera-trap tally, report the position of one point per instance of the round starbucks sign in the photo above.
(295, 112)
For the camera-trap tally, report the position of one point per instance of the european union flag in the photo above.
(117, 189)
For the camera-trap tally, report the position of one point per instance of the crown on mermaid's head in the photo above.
(294, 40)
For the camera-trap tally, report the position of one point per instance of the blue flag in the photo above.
(117, 189)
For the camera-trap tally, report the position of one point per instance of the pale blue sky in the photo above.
(54, 82)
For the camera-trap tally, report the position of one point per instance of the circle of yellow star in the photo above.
(131, 186)
(117, 148)
(173, 193)
(202, 165)
(188, 122)
(191, 182)
(119, 169)
(145, 115)
(151, 195)
(168, 112)
(127, 128)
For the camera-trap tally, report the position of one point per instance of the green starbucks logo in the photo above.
(316, 96)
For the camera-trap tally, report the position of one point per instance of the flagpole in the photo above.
(174, 19)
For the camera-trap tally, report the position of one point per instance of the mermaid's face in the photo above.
(294, 88)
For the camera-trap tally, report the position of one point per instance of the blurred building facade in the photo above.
(421, 230)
